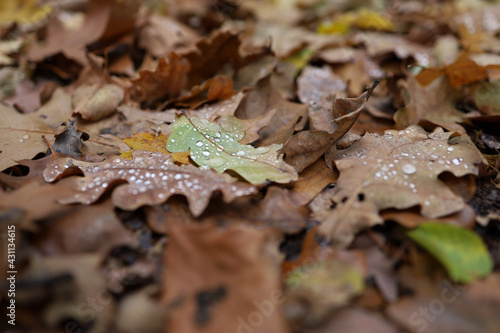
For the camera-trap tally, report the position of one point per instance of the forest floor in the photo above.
(250, 166)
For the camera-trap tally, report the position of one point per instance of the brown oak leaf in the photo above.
(397, 170)
(152, 178)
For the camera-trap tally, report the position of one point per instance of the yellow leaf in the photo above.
(23, 12)
(145, 142)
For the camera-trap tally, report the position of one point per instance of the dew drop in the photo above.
(450, 148)
(26, 136)
(206, 153)
(199, 143)
(409, 168)
(456, 161)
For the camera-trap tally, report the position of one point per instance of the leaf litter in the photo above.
(296, 198)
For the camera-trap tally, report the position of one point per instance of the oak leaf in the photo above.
(152, 178)
(399, 169)
(216, 146)
(21, 135)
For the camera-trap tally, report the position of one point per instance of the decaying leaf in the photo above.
(397, 170)
(152, 178)
(216, 146)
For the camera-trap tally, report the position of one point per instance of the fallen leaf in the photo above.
(199, 295)
(463, 71)
(216, 146)
(152, 178)
(400, 173)
(101, 22)
(69, 141)
(318, 87)
(24, 11)
(434, 104)
(146, 142)
(305, 147)
(461, 251)
(21, 135)
(97, 101)
(167, 81)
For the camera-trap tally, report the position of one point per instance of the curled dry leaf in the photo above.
(305, 147)
(397, 170)
(96, 102)
(216, 146)
(152, 178)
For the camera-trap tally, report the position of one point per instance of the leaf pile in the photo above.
(251, 166)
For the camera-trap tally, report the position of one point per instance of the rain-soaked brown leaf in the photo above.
(216, 285)
(97, 101)
(152, 178)
(397, 170)
(21, 135)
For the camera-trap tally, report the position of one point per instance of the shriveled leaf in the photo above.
(97, 101)
(305, 147)
(397, 170)
(21, 135)
(216, 146)
(70, 141)
(152, 178)
(461, 251)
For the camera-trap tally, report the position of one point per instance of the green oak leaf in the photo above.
(215, 145)
(459, 250)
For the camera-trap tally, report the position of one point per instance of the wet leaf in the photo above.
(216, 146)
(21, 135)
(461, 251)
(151, 179)
(397, 170)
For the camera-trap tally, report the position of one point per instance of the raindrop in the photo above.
(199, 143)
(409, 168)
(456, 161)
(206, 153)
(450, 148)
(26, 136)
